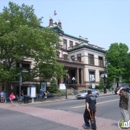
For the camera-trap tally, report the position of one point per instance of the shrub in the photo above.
(53, 86)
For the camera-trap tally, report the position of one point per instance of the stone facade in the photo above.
(84, 61)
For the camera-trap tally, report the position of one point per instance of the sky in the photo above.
(101, 21)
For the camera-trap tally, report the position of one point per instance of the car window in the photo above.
(83, 91)
(92, 90)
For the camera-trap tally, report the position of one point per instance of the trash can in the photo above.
(26, 99)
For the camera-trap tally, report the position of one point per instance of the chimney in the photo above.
(51, 22)
(55, 23)
(59, 24)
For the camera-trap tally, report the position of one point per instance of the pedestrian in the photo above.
(112, 89)
(5, 97)
(2, 96)
(12, 97)
(41, 94)
(90, 110)
(123, 103)
(22, 95)
(45, 95)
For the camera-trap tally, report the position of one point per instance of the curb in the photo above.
(56, 99)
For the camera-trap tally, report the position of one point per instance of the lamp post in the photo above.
(104, 76)
(66, 82)
(73, 79)
(20, 79)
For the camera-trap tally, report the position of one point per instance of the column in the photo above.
(77, 78)
(82, 76)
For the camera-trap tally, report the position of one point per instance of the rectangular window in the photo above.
(24, 65)
(64, 43)
(76, 44)
(71, 44)
(91, 76)
(78, 57)
(91, 59)
(65, 56)
(58, 54)
(73, 58)
(100, 60)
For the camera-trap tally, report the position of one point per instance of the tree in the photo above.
(22, 38)
(53, 86)
(101, 84)
(116, 56)
(126, 74)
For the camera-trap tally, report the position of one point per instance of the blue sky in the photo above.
(101, 21)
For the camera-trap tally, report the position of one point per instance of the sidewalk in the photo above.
(62, 117)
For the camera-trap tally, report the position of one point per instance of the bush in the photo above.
(50, 95)
(53, 86)
(75, 92)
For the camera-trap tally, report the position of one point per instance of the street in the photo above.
(59, 115)
(108, 106)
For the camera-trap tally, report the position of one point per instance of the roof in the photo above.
(87, 45)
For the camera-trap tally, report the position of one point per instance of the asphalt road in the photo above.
(12, 120)
(108, 106)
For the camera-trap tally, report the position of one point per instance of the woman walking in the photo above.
(12, 97)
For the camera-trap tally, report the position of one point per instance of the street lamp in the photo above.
(73, 79)
(104, 76)
(20, 78)
(66, 82)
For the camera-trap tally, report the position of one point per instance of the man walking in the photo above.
(89, 113)
(123, 103)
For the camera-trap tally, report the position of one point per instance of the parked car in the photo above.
(126, 86)
(83, 93)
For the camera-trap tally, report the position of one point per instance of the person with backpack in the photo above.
(90, 110)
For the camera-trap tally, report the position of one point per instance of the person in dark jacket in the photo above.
(89, 113)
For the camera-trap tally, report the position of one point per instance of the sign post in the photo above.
(33, 93)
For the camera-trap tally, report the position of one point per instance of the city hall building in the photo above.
(85, 62)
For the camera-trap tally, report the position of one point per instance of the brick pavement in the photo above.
(62, 117)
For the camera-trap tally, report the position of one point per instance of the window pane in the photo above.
(91, 76)
(91, 59)
(65, 56)
(72, 57)
(100, 59)
(64, 43)
(78, 57)
(71, 44)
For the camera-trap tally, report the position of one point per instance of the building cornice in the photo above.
(86, 46)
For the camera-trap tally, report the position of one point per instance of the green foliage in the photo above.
(126, 74)
(117, 58)
(53, 86)
(101, 84)
(22, 39)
